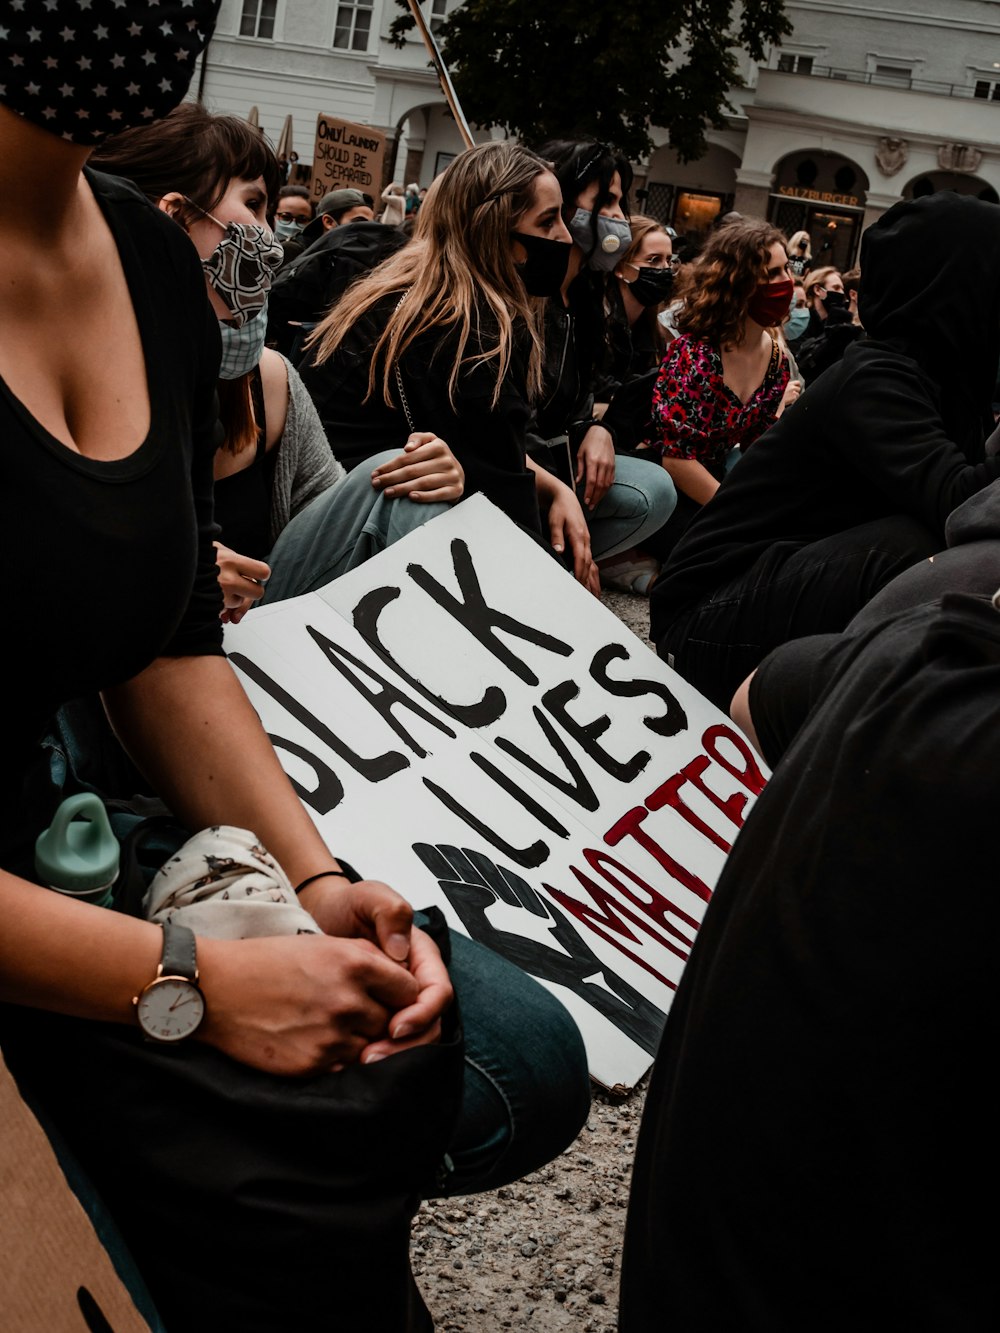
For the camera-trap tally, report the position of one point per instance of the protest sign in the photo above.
(464, 721)
(347, 156)
(56, 1274)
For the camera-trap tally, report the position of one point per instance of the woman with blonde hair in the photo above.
(799, 254)
(725, 380)
(446, 336)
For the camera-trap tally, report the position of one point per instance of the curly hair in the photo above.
(716, 289)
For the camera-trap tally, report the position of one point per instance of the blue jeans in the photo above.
(339, 530)
(641, 499)
(526, 1092)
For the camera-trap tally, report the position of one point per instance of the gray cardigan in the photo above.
(305, 466)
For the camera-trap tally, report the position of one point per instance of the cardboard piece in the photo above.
(56, 1276)
(347, 156)
(464, 721)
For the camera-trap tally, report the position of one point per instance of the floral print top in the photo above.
(695, 413)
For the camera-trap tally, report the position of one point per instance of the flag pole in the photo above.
(444, 78)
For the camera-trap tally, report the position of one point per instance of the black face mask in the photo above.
(653, 286)
(544, 270)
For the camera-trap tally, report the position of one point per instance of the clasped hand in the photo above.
(370, 986)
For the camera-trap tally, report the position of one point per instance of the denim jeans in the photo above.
(526, 1092)
(641, 499)
(339, 530)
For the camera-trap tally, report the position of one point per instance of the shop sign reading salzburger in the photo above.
(820, 196)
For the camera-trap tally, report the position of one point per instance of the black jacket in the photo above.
(305, 289)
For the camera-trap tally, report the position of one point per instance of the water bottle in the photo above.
(78, 853)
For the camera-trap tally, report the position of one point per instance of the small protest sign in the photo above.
(464, 721)
(346, 155)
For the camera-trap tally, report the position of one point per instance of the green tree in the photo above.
(570, 68)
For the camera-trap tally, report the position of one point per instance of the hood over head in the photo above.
(930, 288)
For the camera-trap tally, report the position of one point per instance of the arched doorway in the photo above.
(689, 196)
(931, 181)
(824, 194)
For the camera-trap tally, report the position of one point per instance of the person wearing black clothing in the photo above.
(823, 1098)
(275, 1125)
(309, 284)
(578, 444)
(781, 693)
(444, 336)
(854, 483)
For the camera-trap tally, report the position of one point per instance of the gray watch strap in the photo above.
(179, 952)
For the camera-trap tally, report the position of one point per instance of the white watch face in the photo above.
(170, 1009)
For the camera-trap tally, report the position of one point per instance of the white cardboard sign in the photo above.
(464, 721)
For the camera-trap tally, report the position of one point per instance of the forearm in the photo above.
(191, 729)
(689, 476)
(72, 957)
(547, 485)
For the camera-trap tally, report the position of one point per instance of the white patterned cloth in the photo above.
(223, 884)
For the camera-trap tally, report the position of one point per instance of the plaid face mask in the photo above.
(242, 346)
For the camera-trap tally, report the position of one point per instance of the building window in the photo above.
(354, 22)
(790, 64)
(439, 11)
(900, 75)
(987, 89)
(257, 19)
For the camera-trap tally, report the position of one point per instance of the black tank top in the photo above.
(243, 499)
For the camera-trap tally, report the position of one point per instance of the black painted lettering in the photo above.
(586, 734)
(366, 615)
(670, 722)
(383, 699)
(375, 769)
(483, 621)
(576, 787)
(328, 791)
(532, 855)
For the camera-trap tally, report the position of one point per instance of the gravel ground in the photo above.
(544, 1253)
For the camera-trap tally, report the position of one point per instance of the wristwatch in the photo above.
(172, 1006)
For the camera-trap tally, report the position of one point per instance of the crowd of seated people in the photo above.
(820, 554)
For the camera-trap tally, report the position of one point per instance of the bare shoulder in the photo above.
(274, 381)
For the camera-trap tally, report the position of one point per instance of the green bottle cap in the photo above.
(78, 853)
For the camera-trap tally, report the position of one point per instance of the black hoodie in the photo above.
(896, 427)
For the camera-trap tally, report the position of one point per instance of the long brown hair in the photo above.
(716, 289)
(457, 272)
(195, 153)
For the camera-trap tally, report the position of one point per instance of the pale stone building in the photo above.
(863, 104)
(306, 58)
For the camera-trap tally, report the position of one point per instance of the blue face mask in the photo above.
(284, 231)
(614, 236)
(797, 322)
(242, 347)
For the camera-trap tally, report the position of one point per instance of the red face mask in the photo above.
(769, 303)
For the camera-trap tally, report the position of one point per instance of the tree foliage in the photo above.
(569, 69)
